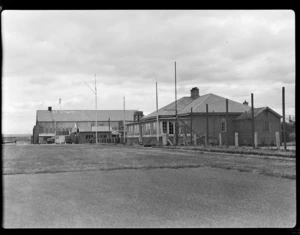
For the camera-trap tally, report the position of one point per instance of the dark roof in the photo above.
(248, 114)
(215, 103)
(83, 115)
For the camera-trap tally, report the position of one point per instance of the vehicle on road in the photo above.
(51, 140)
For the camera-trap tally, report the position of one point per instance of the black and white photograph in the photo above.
(148, 118)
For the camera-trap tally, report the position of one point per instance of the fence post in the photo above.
(277, 140)
(283, 118)
(227, 126)
(255, 140)
(206, 136)
(191, 126)
(236, 139)
(253, 121)
(195, 139)
(220, 139)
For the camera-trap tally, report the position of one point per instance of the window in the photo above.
(143, 129)
(130, 130)
(153, 127)
(136, 130)
(87, 136)
(164, 126)
(46, 130)
(171, 128)
(41, 129)
(223, 125)
(147, 126)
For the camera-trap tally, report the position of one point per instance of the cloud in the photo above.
(49, 55)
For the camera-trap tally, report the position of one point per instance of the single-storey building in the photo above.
(104, 134)
(56, 123)
(204, 115)
(266, 124)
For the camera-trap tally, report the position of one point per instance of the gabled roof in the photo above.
(170, 108)
(83, 115)
(215, 103)
(257, 111)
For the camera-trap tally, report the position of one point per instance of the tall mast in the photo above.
(157, 122)
(96, 110)
(124, 118)
(175, 129)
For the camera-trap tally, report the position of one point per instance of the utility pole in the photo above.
(207, 125)
(109, 124)
(227, 132)
(110, 135)
(176, 121)
(252, 113)
(213, 125)
(283, 116)
(96, 110)
(95, 92)
(157, 121)
(191, 126)
(124, 119)
(60, 104)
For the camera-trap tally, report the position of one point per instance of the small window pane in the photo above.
(164, 127)
(171, 129)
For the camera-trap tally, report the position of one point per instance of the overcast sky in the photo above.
(49, 55)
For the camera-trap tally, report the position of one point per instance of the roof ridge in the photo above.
(87, 110)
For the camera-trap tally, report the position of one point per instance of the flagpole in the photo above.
(176, 117)
(96, 110)
(124, 119)
(157, 122)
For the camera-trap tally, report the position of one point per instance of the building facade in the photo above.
(203, 118)
(64, 122)
(266, 124)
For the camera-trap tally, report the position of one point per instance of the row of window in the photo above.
(62, 131)
(166, 127)
(151, 128)
(59, 131)
(87, 137)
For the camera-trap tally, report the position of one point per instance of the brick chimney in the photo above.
(245, 102)
(195, 93)
(137, 115)
(49, 108)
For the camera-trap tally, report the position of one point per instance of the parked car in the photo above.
(51, 140)
(68, 139)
